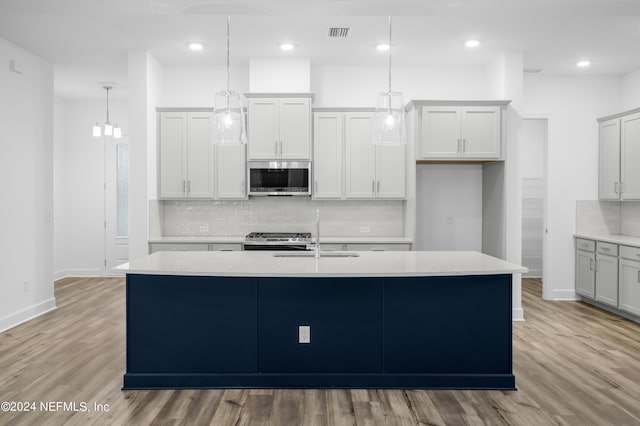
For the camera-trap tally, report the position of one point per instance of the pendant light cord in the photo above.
(107, 88)
(389, 54)
(228, 52)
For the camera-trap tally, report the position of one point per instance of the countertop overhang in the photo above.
(368, 264)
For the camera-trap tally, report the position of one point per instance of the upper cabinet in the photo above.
(185, 155)
(619, 153)
(451, 131)
(190, 164)
(372, 171)
(328, 148)
(279, 127)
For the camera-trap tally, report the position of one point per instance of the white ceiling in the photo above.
(88, 40)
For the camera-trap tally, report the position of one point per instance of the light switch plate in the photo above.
(304, 334)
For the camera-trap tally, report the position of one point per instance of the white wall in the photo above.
(195, 86)
(572, 105)
(449, 207)
(345, 86)
(26, 170)
(79, 175)
(630, 91)
(534, 133)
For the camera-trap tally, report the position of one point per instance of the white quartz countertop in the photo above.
(626, 240)
(368, 264)
(240, 239)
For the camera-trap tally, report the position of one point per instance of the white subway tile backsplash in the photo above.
(598, 217)
(270, 214)
(631, 218)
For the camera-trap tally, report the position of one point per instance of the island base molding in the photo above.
(427, 332)
(323, 381)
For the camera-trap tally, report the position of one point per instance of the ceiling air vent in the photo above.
(339, 32)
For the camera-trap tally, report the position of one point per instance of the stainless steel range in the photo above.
(278, 241)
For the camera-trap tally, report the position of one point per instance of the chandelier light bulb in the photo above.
(228, 121)
(108, 129)
(97, 132)
(117, 132)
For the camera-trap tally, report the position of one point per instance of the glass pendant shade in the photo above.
(388, 119)
(108, 129)
(97, 132)
(229, 118)
(117, 132)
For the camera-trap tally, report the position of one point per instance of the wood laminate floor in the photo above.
(574, 365)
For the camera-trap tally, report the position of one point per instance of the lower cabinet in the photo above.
(607, 279)
(610, 274)
(154, 247)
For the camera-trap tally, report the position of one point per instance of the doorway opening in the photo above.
(533, 167)
(116, 205)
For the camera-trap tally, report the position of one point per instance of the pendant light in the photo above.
(228, 113)
(388, 119)
(109, 129)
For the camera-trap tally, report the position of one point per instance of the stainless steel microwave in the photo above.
(279, 178)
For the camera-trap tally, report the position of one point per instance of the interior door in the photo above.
(116, 204)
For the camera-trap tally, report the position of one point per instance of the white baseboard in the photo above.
(83, 273)
(517, 314)
(58, 275)
(27, 314)
(563, 295)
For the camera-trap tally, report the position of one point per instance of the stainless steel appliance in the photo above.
(278, 241)
(279, 178)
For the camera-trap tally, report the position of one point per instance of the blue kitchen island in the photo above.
(422, 320)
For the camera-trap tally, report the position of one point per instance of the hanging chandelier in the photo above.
(228, 113)
(109, 129)
(388, 119)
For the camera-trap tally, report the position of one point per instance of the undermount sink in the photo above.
(313, 254)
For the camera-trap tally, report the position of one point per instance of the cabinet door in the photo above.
(630, 286)
(630, 159)
(200, 155)
(262, 123)
(607, 280)
(231, 172)
(481, 132)
(585, 274)
(327, 155)
(295, 128)
(390, 171)
(440, 132)
(172, 155)
(360, 156)
(609, 160)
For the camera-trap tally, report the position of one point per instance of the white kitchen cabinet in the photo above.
(231, 172)
(618, 155)
(328, 147)
(585, 268)
(630, 156)
(279, 128)
(607, 273)
(379, 247)
(371, 171)
(460, 132)
(155, 247)
(609, 160)
(185, 155)
(629, 284)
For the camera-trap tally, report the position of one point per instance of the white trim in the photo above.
(517, 314)
(27, 314)
(58, 275)
(84, 273)
(568, 294)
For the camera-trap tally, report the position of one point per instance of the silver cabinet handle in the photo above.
(189, 186)
(315, 186)
(605, 248)
(281, 148)
(464, 145)
(184, 186)
(378, 190)
(639, 276)
(615, 187)
(459, 142)
(622, 187)
(591, 264)
(373, 186)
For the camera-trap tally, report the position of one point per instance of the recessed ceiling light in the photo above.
(472, 43)
(286, 46)
(382, 47)
(195, 46)
(583, 64)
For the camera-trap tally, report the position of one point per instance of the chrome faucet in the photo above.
(317, 233)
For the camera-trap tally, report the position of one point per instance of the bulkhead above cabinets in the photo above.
(452, 131)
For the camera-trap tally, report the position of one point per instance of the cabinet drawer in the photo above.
(379, 247)
(632, 253)
(586, 245)
(225, 247)
(607, 248)
(331, 247)
(154, 247)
